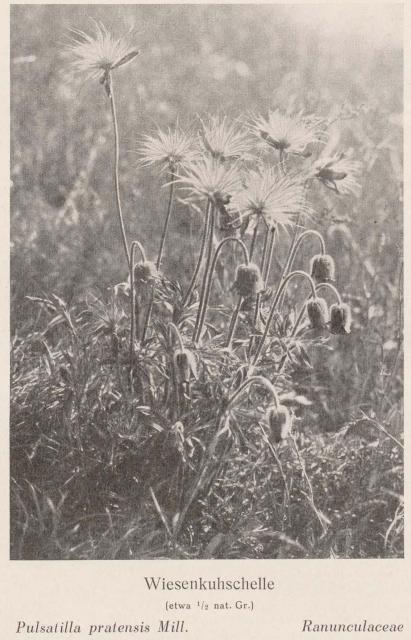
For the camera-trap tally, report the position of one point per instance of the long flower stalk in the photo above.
(116, 167)
(271, 242)
(167, 220)
(300, 240)
(133, 328)
(210, 277)
(233, 323)
(274, 304)
(234, 318)
(296, 244)
(268, 249)
(209, 248)
(253, 380)
(200, 255)
(254, 239)
(160, 255)
(172, 330)
(211, 456)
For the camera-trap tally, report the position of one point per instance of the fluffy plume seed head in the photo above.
(288, 133)
(277, 198)
(171, 149)
(322, 268)
(279, 421)
(340, 319)
(317, 311)
(222, 140)
(339, 173)
(211, 179)
(248, 280)
(94, 56)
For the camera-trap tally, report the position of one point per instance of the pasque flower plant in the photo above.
(186, 363)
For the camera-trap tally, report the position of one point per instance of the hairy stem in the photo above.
(265, 269)
(167, 221)
(134, 245)
(277, 297)
(267, 266)
(254, 238)
(172, 329)
(300, 239)
(209, 247)
(210, 277)
(254, 380)
(233, 322)
(200, 256)
(116, 177)
(159, 257)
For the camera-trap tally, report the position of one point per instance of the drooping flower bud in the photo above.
(279, 421)
(185, 366)
(317, 311)
(248, 281)
(145, 272)
(221, 199)
(340, 319)
(322, 268)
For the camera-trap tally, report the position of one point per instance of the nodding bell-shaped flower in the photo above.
(185, 366)
(317, 311)
(322, 268)
(340, 319)
(248, 280)
(221, 199)
(145, 272)
(279, 421)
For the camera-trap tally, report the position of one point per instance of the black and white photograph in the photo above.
(206, 282)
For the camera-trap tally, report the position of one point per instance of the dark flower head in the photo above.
(185, 366)
(145, 272)
(340, 319)
(322, 268)
(317, 311)
(248, 281)
(279, 421)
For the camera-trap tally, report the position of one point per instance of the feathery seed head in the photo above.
(96, 55)
(279, 421)
(276, 197)
(338, 173)
(288, 133)
(317, 311)
(172, 149)
(340, 319)
(248, 280)
(322, 268)
(209, 178)
(222, 140)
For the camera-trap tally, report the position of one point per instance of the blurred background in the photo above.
(342, 62)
